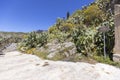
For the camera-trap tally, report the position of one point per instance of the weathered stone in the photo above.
(10, 47)
(66, 48)
(116, 57)
(117, 29)
(19, 66)
(51, 55)
(117, 33)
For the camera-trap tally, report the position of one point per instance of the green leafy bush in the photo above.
(84, 39)
(93, 15)
(34, 40)
(67, 27)
(52, 29)
(42, 39)
(59, 36)
(89, 40)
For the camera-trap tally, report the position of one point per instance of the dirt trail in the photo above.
(17, 66)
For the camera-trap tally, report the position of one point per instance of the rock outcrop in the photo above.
(67, 49)
(117, 34)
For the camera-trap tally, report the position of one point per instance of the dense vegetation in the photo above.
(34, 40)
(82, 28)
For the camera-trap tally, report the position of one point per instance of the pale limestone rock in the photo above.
(18, 66)
(116, 57)
(66, 48)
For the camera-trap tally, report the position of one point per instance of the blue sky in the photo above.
(29, 15)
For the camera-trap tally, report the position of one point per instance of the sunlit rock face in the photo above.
(116, 56)
(18, 66)
(55, 48)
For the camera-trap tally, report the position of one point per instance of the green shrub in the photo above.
(93, 15)
(52, 29)
(34, 40)
(89, 40)
(41, 39)
(59, 36)
(67, 27)
(83, 38)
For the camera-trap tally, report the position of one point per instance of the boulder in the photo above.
(54, 48)
(67, 49)
(116, 57)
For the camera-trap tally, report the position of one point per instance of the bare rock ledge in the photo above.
(19, 66)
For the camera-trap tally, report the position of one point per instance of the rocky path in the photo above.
(17, 66)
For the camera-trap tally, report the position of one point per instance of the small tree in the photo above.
(68, 15)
